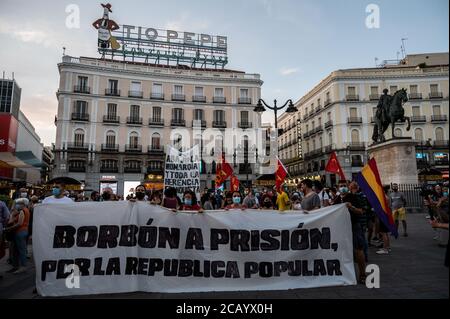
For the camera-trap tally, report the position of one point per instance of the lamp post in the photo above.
(261, 107)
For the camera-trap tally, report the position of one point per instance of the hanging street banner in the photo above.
(182, 170)
(150, 45)
(118, 247)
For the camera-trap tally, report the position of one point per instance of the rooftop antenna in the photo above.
(376, 62)
(403, 48)
(398, 55)
(13, 75)
(64, 51)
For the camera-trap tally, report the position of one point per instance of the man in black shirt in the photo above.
(356, 210)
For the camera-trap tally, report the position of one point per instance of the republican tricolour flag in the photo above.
(370, 182)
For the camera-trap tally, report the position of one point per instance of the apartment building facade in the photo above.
(115, 118)
(338, 115)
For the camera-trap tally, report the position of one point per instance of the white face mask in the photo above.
(23, 195)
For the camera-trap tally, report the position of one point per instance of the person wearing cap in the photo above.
(398, 203)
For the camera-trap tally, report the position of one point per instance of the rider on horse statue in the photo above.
(383, 105)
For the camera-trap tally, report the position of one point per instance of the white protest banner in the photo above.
(182, 170)
(119, 247)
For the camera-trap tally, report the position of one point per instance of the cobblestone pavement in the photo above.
(414, 269)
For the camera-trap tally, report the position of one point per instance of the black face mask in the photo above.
(140, 195)
(106, 196)
(267, 204)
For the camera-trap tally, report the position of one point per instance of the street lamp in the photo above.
(261, 107)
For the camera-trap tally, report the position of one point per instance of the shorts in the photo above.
(399, 214)
(382, 228)
(358, 237)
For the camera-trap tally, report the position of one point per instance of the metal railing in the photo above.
(244, 100)
(352, 97)
(415, 96)
(219, 99)
(155, 150)
(435, 95)
(178, 97)
(178, 122)
(219, 124)
(135, 148)
(199, 98)
(80, 117)
(110, 147)
(202, 123)
(439, 118)
(157, 96)
(77, 146)
(156, 121)
(418, 118)
(82, 89)
(111, 118)
(356, 146)
(134, 120)
(354, 120)
(112, 92)
(374, 97)
(136, 94)
(246, 125)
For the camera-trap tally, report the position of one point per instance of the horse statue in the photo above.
(390, 110)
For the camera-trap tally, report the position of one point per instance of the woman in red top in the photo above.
(236, 201)
(170, 199)
(190, 202)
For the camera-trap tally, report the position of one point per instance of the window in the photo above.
(313, 144)
(156, 141)
(306, 111)
(351, 90)
(135, 86)
(244, 93)
(416, 111)
(330, 138)
(219, 116)
(392, 89)
(134, 140)
(436, 110)
(320, 121)
(353, 112)
(418, 134)
(328, 96)
(198, 114)
(355, 136)
(110, 138)
(177, 114)
(439, 134)
(157, 88)
(433, 88)
(154, 165)
(313, 125)
(320, 142)
(318, 102)
(413, 89)
(244, 116)
(80, 107)
(198, 91)
(218, 92)
(82, 83)
(398, 132)
(374, 111)
(113, 85)
(307, 147)
(111, 164)
(329, 116)
(156, 113)
(78, 137)
(134, 111)
(133, 164)
(178, 89)
(111, 111)
(374, 90)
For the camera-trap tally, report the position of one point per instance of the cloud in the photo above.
(288, 71)
(28, 33)
(186, 23)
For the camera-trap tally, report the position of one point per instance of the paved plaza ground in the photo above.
(414, 269)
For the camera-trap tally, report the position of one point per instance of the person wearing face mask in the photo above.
(236, 200)
(283, 203)
(266, 203)
(58, 195)
(296, 201)
(398, 204)
(250, 200)
(18, 227)
(140, 193)
(190, 202)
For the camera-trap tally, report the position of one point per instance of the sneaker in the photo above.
(436, 237)
(20, 270)
(382, 251)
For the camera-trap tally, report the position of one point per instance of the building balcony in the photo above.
(199, 98)
(136, 94)
(157, 96)
(82, 89)
(356, 146)
(135, 148)
(244, 100)
(112, 119)
(245, 125)
(110, 148)
(219, 124)
(134, 120)
(372, 119)
(77, 169)
(219, 99)
(357, 164)
(112, 92)
(80, 117)
(177, 122)
(374, 97)
(329, 148)
(318, 109)
(441, 144)
(202, 123)
(328, 124)
(306, 135)
(352, 97)
(435, 95)
(135, 170)
(178, 97)
(415, 96)
(305, 117)
(77, 146)
(155, 122)
(109, 169)
(327, 102)
(354, 120)
(318, 129)
(419, 118)
(438, 118)
(155, 150)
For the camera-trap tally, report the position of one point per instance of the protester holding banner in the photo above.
(58, 195)
(266, 203)
(155, 198)
(283, 203)
(250, 201)
(190, 202)
(18, 227)
(236, 202)
(140, 193)
(170, 199)
(310, 201)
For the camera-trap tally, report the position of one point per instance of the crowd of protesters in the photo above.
(368, 231)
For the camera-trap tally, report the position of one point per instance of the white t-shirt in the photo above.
(53, 200)
(323, 197)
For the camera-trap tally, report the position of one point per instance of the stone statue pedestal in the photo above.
(396, 160)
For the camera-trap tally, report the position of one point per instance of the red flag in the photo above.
(280, 175)
(333, 166)
(223, 171)
(234, 183)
